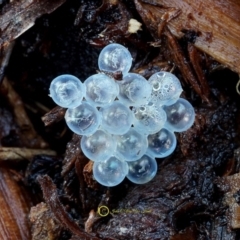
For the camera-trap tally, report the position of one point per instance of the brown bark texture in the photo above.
(195, 194)
(215, 23)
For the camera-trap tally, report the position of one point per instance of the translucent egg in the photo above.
(116, 118)
(131, 146)
(180, 116)
(101, 89)
(142, 170)
(161, 144)
(67, 91)
(83, 120)
(166, 88)
(149, 119)
(135, 90)
(115, 57)
(99, 146)
(110, 172)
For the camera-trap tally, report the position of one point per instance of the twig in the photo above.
(55, 115)
(51, 197)
(93, 217)
(195, 60)
(5, 54)
(79, 165)
(183, 64)
(22, 153)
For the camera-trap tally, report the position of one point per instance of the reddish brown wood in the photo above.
(217, 23)
(14, 208)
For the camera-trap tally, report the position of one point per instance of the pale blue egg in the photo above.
(180, 116)
(143, 170)
(101, 90)
(135, 90)
(84, 119)
(149, 119)
(110, 172)
(99, 146)
(116, 118)
(162, 143)
(67, 91)
(131, 146)
(166, 88)
(115, 57)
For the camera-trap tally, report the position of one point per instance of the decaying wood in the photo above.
(88, 176)
(43, 226)
(93, 217)
(79, 165)
(184, 186)
(55, 115)
(189, 66)
(156, 66)
(216, 24)
(14, 208)
(116, 31)
(5, 53)
(18, 154)
(184, 65)
(189, 234)
(51, 197)
(72, 153)
(18, 16)
(196, 63)
(230, 185)
(220, 230)
(177, 192)
(29, 137)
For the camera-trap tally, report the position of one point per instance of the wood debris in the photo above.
(18, 16)
(19, 154)
(182, 201)
(43, 226)
(230, 185)
(216, 24)
(53, 116)
(58, 210)
(15, 206)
